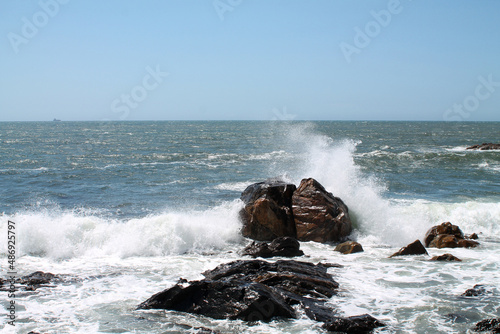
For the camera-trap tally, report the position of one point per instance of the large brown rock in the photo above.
(319, 216)
(268, 213)
(447, 235)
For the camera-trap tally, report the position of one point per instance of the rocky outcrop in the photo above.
(283, 246)
(488, 325)
(349, 247)
(308, 213)
(484, 147)
(319, 216)
(415, 248)
(268, 211)
(256, 290)
(447, 235)
(445, 257)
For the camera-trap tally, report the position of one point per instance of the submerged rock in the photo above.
(283, 246)
(415, 248)
(447, 235)
(446, 257)
(254, 290)
(319, 216)
(488, 325)
(478, 290)
(484, 147)
(349, 247)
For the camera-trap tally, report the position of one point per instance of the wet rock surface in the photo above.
(488, 325)
(446, 257)
(349, 247)
(415, 248)
(448, 235)
(308, 213)
(283, 246)
(254, 290)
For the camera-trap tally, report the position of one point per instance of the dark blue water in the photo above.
(135, 168)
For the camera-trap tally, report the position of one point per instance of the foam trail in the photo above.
(63, 235)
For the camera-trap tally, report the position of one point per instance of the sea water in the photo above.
(122, 210)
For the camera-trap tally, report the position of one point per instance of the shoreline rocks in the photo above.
(447, 235)
(257, 290)
(279, 209)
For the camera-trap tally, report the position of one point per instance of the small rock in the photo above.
(349, 247)
(356, 324)
(415, 248)
(477, 290)
(490, 325)
(473, 236)
(445, 257)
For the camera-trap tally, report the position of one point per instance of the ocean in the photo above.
(122, 210)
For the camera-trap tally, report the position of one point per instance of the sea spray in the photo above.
(62, 235)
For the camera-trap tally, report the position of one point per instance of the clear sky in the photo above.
(250, 60)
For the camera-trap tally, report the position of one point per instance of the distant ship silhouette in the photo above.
(56, 120)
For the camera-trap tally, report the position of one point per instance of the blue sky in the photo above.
(250, 59)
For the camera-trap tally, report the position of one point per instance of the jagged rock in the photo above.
(488, 325)
(484, 147)
(445, 257)
(319, 216)
(349, 247)
(254, 290)
(268, 210)
(415, 248)
(447, 235)
(283, 246)
(308, 213)
(357, 324)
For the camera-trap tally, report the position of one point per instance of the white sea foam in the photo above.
(63, 235)
(376, 218)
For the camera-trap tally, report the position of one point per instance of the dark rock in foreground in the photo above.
(447, 235)
(415, 248)
(484, 147)
(279, 209)
(283, 246)
(445, 257)
(488, 325)
(319, 216)
(255, 290)
(357, 324)
(349, 247)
